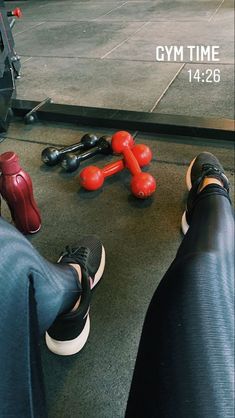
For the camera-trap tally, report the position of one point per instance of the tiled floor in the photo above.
(104, 54)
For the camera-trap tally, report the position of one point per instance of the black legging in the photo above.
(185, 362)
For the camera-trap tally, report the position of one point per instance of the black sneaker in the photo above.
(204, 165)
(69, 332)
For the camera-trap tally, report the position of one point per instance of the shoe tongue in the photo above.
(213, 172)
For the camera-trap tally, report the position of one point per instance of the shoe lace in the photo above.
(211, 169)
(79, 254)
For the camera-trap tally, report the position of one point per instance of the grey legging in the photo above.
(32, 293)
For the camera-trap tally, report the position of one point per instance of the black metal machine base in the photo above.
(126, 120)
(9, 67)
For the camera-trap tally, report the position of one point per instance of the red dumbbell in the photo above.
(92, 177)
(15, 13)
(143, 185)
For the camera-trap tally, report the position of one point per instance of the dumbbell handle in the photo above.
(102, 173)
(131, 161)
(71, 148)
(75, 147)
(113, 168)
(71, 162)
(102, 147)
(90, 153)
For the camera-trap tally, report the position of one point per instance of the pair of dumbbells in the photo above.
(89, 143)
(142, 185)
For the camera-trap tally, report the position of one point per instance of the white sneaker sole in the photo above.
(100, 270)
(188, 175)
(184, 223)
(70, 347)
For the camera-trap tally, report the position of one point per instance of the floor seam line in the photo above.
(23, 61)
(121, 43)
(26, 30)
(110, 11)
(215, 12)
(32, 141)
(167, 87)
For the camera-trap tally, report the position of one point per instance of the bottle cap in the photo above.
(9, 163)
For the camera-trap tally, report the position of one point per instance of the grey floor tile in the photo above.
(142, 45)
(24, 4)
(200, 98)
(98, 83)
(22, 26)
(24, 59)
(88, 39)
(133, 50)
(157, 10)
(69, 10)
(225, 13)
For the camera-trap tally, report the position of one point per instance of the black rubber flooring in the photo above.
(141, 239)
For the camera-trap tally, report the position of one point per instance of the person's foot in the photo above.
(203, 170)
(69, 332)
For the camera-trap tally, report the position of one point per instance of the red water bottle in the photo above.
(16, 188)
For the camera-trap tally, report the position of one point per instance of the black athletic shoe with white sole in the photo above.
(69, 332)
(204, 165)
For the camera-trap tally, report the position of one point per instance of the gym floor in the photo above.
(103, 54)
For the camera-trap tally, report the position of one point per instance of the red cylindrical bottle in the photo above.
(16, 188)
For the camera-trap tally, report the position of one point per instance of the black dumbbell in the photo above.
(52, 156)
(71, 161)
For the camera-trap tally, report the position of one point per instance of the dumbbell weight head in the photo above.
(89, 141)
(50, 156)
(121, 140)
(70, 162)
(143, 185)
(142, 153)
(91, 177)
(29, 119)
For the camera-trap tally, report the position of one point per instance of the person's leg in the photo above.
(184, 366)
(33, 294)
